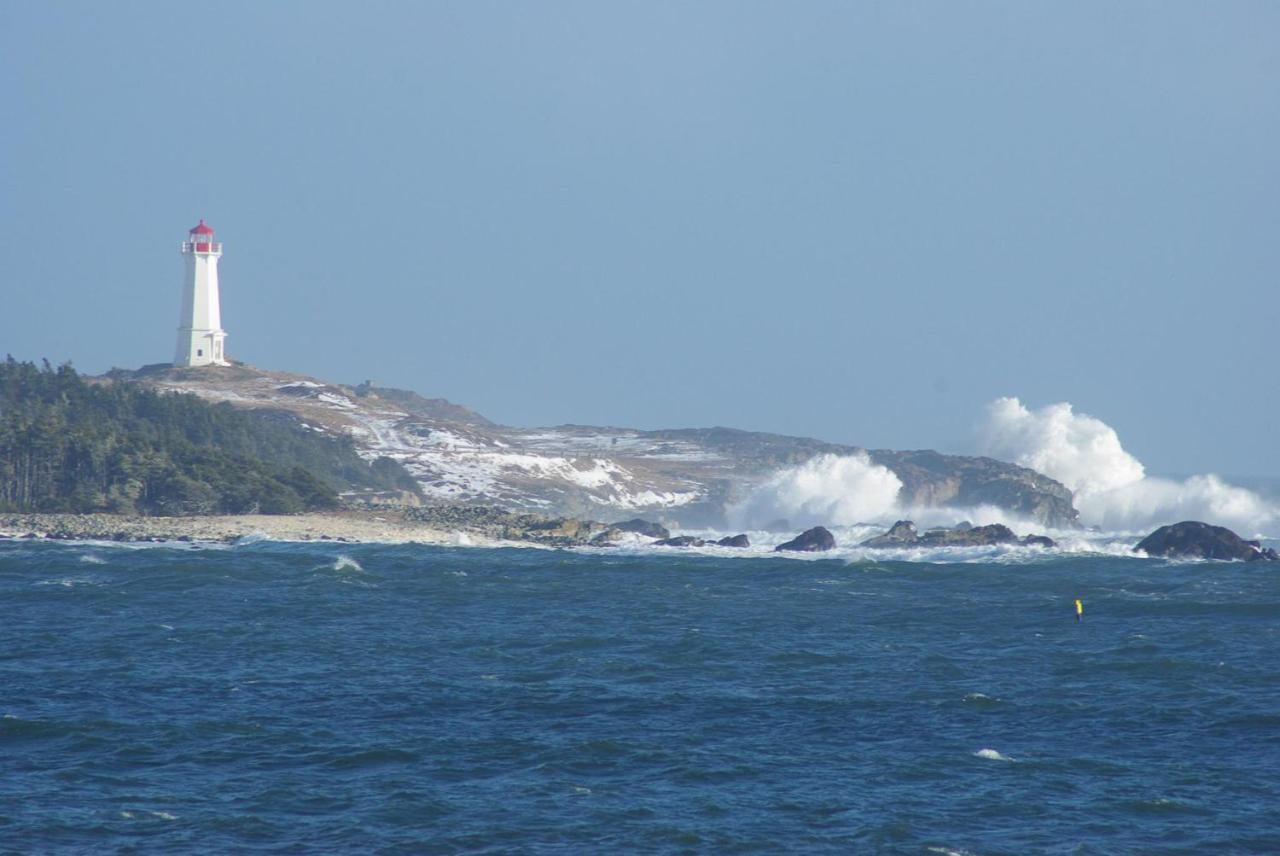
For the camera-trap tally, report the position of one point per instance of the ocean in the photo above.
(334, 698)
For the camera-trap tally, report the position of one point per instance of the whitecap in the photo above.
(90, 559)
(980, 697)
(992, 755)
(163, 815)
(346, 563)
(69, 582)
(252, 538)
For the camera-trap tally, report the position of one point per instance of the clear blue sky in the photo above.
(853, 221)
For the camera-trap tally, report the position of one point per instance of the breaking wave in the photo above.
(849, 491)
(346, 563)
(1111, 487)
(839, 490)
(992, 755)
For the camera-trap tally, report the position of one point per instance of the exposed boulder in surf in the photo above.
(902, 532)
(978, 536)
(680, 541)
(1192, 539)
(815, 540)
(734, 541)
(608, 537)
(643, 527)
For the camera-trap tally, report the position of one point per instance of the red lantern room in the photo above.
(200, 239)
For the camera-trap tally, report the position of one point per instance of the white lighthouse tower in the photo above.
(200, 333)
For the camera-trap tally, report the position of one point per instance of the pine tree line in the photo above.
(67, 445)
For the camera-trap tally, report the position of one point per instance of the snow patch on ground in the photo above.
(546, 469)
(452, 466)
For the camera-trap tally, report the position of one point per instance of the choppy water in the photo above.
(408, 699)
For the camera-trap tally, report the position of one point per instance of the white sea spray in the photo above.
(1111, 487)
(828, 490)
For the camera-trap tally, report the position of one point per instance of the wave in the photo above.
(1070, 544)
(993, 755)
(839, 490)
(346, 563)
(1111, 487)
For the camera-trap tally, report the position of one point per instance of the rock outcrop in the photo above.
(515, 526)
(643, 527)
(1192, 539)
(691, 541)
(814, 540)
(904, 534)
(680, 541)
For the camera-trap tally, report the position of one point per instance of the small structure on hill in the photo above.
(200, 334)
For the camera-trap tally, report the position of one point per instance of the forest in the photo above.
(68, 444)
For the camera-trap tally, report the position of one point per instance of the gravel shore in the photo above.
(354, 526)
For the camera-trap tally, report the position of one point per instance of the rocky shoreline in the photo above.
(443, 524)
(349, 526)
(484, 525)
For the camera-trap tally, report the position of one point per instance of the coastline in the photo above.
(340, 526)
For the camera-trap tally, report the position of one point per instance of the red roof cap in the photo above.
(202, 229)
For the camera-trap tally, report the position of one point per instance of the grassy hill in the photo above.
(71, 446)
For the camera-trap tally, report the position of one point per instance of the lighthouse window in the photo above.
(199, 352)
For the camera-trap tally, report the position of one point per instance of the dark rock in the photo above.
(734, 541)
(963, 525)
(902, 532)
(681, 541)
(978, 536)
(608, 537)
(1038, 541)
(815, 540)
(643, 527)
(1192, 539)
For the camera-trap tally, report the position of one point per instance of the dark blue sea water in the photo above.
(401, 699)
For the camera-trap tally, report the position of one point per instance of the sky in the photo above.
(856, 221)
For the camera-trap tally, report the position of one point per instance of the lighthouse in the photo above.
(200, 333)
